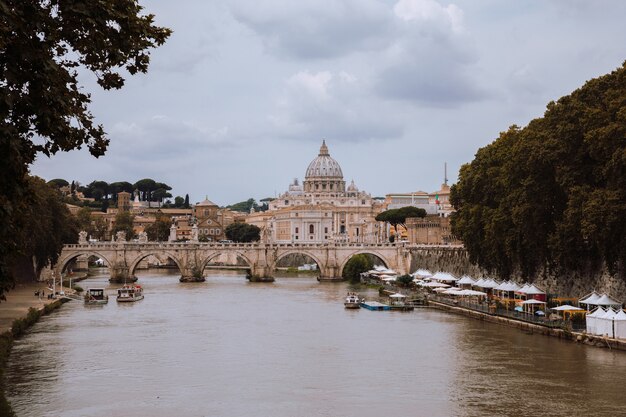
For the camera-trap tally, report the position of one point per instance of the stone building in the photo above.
(211, 220)
(431, 230)
(322, 209)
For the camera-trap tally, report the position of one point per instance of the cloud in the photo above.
(163, 138)
(311, 29)
(331, 105)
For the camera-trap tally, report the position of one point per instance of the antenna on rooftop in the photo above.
(445, 173)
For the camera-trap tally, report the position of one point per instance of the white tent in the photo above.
(473, 293)
(604, 324)
(397, 295)
(480, 282)
(605, 300)
(532, 303)
(533, 290)
(488, 284)
(590, 299)
(435, 285)
(619, 322)
(592, 320)
(444, 277)
(466, 280)
(422, 273)
(567, 308)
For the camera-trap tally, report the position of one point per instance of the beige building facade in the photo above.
(322, 209)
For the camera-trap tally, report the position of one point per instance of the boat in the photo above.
(352, 301)
(95, 296)
(130, 293)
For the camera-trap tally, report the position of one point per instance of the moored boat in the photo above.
(352, 301)
(130, 293)
(96, 296)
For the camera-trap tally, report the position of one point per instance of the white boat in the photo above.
(96, 296)
(352, 301)
(130, 293)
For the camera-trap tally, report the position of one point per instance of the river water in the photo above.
(228, 347)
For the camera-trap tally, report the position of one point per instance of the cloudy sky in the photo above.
(236, 104)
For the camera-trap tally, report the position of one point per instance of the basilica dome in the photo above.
(324, 166)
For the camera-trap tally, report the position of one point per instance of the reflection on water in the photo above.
(227, 347)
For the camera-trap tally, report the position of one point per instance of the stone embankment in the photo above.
(455, 260)
(597, 341)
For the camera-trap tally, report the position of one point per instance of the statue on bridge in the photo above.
(82, 237)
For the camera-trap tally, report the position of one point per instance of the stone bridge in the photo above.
(261, 259)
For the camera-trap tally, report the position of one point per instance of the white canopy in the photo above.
(489, 283)
(397, 295)
(598, 312)
(605, 300)
(567, 308)
(507, 286)
(422, 273)
(532, 290)
(435, 285)
(466, 280)
(620, 315)
(533, 301)
(480, 282)
(444, 276)
(590, 299)
(474, 293)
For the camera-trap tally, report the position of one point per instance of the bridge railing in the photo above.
(188, 244)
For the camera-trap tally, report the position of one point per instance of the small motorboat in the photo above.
(130, 293)
(95, 296)
(352, 301)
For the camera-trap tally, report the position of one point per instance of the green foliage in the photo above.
(552, 194)
(159, 231)
(186, 205)
(404, 280)
(355, 266)
(179, 202)
(59, 182)
(399, 216)
(246, 206)
(124, 222)
(242, 232)
(84, 220)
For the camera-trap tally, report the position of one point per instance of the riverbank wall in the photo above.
(589, 340)
(455, 260)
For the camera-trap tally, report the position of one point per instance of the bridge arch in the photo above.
(382, 258)
(211, 256)
(282, 255)
(155, 253)
(62, 263)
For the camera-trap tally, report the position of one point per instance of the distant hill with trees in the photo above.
(552, 195)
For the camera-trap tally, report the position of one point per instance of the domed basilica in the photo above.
(322, 209)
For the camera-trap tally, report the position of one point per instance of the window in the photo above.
(212, 231)
(363, 202)
(286, 202)
(311, 229)
(296, 237)
(206, 212)
(218, 231)
(296, 230)
(326, 230)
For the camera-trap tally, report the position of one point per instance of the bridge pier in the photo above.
(192, 275)
(330, 274)
(120, 274)
(260, 274)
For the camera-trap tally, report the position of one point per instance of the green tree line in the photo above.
(551, 195)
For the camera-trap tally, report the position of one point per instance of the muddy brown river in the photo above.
(227, 347)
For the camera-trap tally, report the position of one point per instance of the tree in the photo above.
(59, 182)
(552, 195)
(355, 266)
(159, 194)
(84, 220)
(146, 186)
(404, 280)
(244, 206)
(243, 232)
(159, 231)
(100, 228)
(45, 225)
(179, 201)
(124, 223)
(43, 108)
(397, 217)
(186, 201)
